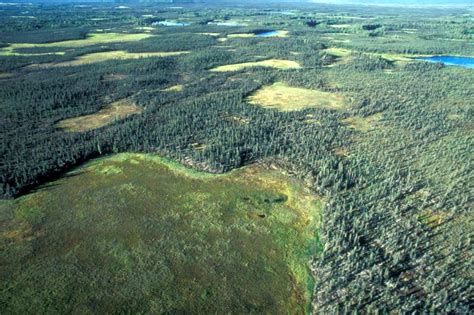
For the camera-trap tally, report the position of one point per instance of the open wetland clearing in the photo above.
(269, 63)
(115, 111)
(283, 97)
(92, 39)
(135, 227)
(108, 55)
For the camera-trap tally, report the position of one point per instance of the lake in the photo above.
(466, 62)
(268, 34)
(171, 23)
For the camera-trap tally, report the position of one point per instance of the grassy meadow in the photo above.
(92, 39)
(269, 63)
(283, 97)
(115, 111)
(138, 233)
(106, 56)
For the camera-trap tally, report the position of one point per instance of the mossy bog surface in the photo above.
(135, 233)
(270, 63)
(283, 97)
(106, 56)
(92, 39)
(115, 111)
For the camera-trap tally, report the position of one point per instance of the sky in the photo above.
(363, 2)
(398, 2)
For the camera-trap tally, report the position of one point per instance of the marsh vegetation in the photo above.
(139, 228)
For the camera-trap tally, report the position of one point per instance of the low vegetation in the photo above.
(148, 230)
(109, 55)
(92, 39)
(283, 97)
(174, 88)
(113, 112)
(338, 52)
(269, 63)
(363, 124)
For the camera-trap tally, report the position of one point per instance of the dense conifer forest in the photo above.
(393, 166)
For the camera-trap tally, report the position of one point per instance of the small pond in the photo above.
(171, 23)
(466, 62)
(267, 34)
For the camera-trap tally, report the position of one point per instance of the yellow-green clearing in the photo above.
(283, 97)
(108, 55)
(343, 55)
(270, 63)
(135, 227)
(92, 39)
(241, 35)
(5, 75)
(174, 88)
(363, 124)
(115, 111)
(338, 52)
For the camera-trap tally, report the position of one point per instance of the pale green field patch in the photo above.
(115, 111)
(282, 97)
(271, 63)
(5, 75)
(343, 55)
(110, 170)
(92, 39)
(338, 52)
(174, 230)
(174, 88)
(241, 35)
(108, 55)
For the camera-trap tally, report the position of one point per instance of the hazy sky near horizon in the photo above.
(397, 1)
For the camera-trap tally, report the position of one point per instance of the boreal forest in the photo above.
(249, 158)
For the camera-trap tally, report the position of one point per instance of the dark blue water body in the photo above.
(268, 34)
(466, 62)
